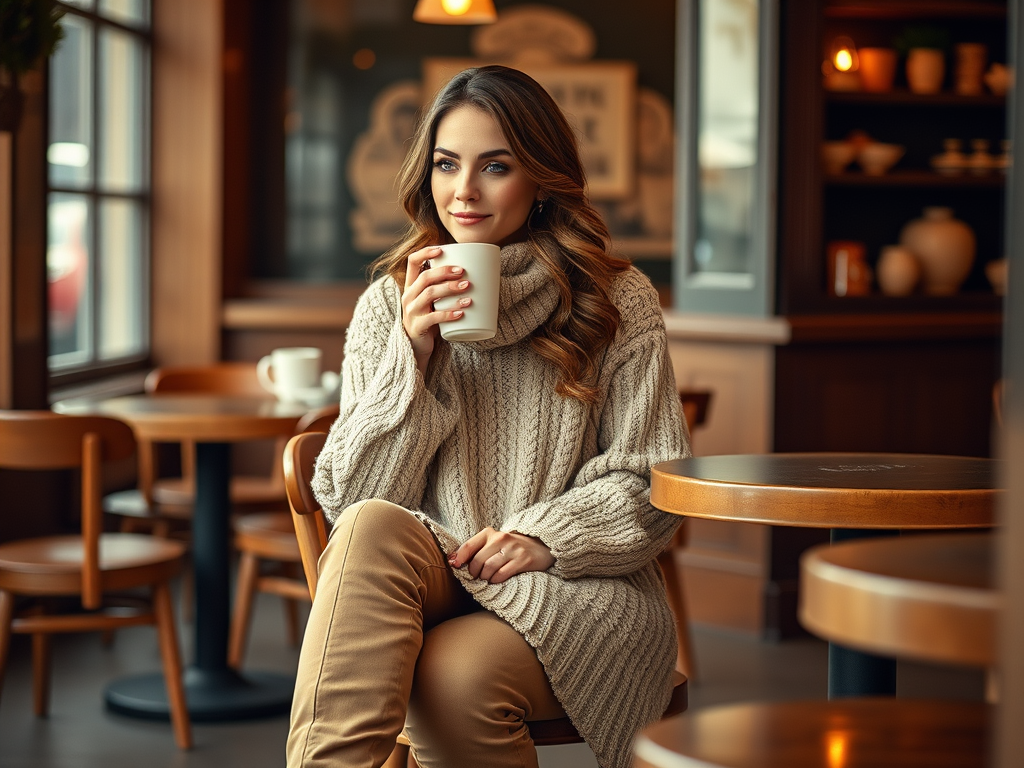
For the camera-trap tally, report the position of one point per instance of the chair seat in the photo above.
(245, 491)
(42, 565)
(132, 503)
(267, 534)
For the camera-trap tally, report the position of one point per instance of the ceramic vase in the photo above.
(945, 247)
(898, 270)
(877, 69)
(926, 69)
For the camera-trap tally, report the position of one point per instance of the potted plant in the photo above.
(29, 30)
(925, 48)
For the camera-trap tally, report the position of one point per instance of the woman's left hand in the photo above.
(494, 556)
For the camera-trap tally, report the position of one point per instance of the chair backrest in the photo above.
(228, 378)
(319, 419)
(225, 378)
(310, 527)
(40, 440)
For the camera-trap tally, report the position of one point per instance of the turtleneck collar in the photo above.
(526, 299)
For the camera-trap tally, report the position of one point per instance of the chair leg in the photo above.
(41, 673)
(248, 572)
(677, 601)
(291, 609)
(171, 658)
(6, 617)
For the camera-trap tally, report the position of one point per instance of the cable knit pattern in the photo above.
(486, 441)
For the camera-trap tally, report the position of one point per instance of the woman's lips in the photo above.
(469, 218)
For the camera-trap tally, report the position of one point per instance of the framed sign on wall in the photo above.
(598, 98)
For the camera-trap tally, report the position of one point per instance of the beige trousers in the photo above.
(394, 640)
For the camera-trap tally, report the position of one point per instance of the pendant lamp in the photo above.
(455, 12)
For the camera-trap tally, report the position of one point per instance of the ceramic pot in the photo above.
(848, 272)
(945, 247)
(971, 59)
(898, 270)
(926, 69)
(877, 69)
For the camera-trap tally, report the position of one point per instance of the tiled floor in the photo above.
(79, 733)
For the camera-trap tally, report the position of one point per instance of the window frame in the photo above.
(95, 194)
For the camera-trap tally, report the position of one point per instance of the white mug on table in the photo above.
(293, 375)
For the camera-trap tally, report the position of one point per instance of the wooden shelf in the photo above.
(903, 97)
(945, 323)
(914, 9)
(915, 179)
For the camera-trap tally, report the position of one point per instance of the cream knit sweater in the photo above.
(486, 441)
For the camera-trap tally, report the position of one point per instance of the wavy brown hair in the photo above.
(568, 234)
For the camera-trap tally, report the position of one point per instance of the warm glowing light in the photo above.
(455, 7)
(843, 60)
(364, 58)
(837, 747)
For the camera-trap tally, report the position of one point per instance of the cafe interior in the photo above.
(823, 194)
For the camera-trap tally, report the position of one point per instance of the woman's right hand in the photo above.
(423, 286)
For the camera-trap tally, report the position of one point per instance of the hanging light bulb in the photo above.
(455, 12)
(844, 55)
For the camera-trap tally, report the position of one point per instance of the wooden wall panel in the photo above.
(187, 173)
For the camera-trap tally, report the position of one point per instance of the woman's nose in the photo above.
(466, 189)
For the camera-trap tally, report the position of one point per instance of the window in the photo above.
(99, 187)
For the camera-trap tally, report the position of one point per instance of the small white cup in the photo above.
(482, 265)
(287, 371)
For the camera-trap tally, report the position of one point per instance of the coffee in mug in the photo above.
(482, 265)
(288, 371)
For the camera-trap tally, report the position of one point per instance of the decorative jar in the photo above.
(945, 246)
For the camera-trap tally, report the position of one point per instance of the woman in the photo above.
(493, 553)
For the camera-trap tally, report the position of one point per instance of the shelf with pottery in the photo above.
(912, 178)
(904, 97)
(914, 9)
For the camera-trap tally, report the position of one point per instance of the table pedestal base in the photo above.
(853, 673)
(212, 696)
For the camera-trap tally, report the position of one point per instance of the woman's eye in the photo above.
(444, 165)
(496, 168)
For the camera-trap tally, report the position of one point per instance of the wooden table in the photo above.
(852, 733)
(851, 493)
(215, 692)
(931, 597)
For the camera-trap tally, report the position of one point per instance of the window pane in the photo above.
(122, 304)
(70, 153)
(728, 134)
(133, 12)
(67, 267)
(121, 101)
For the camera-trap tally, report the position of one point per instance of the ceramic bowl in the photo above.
(995, 271)
(876, 158)
(836, 155)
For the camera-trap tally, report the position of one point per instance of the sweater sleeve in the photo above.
(391, 421)
(604, 524)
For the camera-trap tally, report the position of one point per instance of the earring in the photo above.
(540, 206)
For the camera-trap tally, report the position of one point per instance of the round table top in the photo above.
(852, 733)
(200, 417)
(930, 597)
(831, 490)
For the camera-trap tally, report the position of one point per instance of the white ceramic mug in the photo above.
(482, 265)
(288, 371)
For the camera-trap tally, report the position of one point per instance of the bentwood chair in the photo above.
(268, 539)
(311, 531)
(91, 565)
(164, 504)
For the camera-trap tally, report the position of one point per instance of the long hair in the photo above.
(568, 235)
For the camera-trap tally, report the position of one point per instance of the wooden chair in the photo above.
(311, 531)
(91, 565)
(269, 537)
(695, 410)
(163, 505)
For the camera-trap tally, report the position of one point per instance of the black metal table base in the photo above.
(212, 696)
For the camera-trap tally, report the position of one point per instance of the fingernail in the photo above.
(457, 313)
(464, 284)
(456, 270)
(464, 302)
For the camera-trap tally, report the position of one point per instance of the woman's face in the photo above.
(479, 189)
